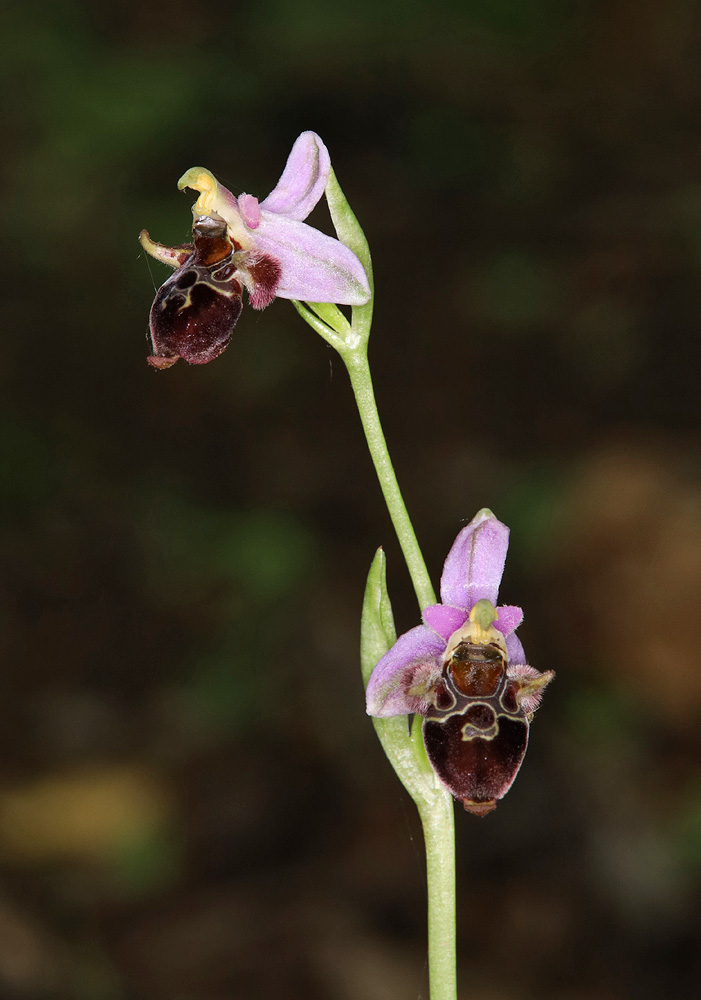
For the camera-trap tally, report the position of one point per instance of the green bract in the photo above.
(349, 339)
(405, 750)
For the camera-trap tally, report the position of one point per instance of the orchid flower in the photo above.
(464, 670)
(240, 243)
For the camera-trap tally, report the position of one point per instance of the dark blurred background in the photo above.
(193, 804)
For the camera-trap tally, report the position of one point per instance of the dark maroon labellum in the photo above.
(476, 733)
(196, 309)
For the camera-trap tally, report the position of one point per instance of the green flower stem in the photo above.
(439, 837)
(407, 754)
(406, 751)
(361, 381)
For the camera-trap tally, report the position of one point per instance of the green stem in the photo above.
(439, 836)
(433, 801)
(405, 751)
(361, 381)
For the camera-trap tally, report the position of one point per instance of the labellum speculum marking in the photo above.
(476, 730)
(195, 311)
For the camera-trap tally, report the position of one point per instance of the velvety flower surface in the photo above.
(465, 672)
(405, 679)
(239, 242)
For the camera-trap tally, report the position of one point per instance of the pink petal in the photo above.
(315, 267)
(444, 619)
(303, 180)
(475, 563)
(509, 618)
(514, 649)
(250, 210)
(412, 662)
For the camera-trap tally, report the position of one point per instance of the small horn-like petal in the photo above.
(444, 619)
(250, 210)
(509, 617)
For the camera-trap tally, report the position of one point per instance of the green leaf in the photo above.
(405, 750)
